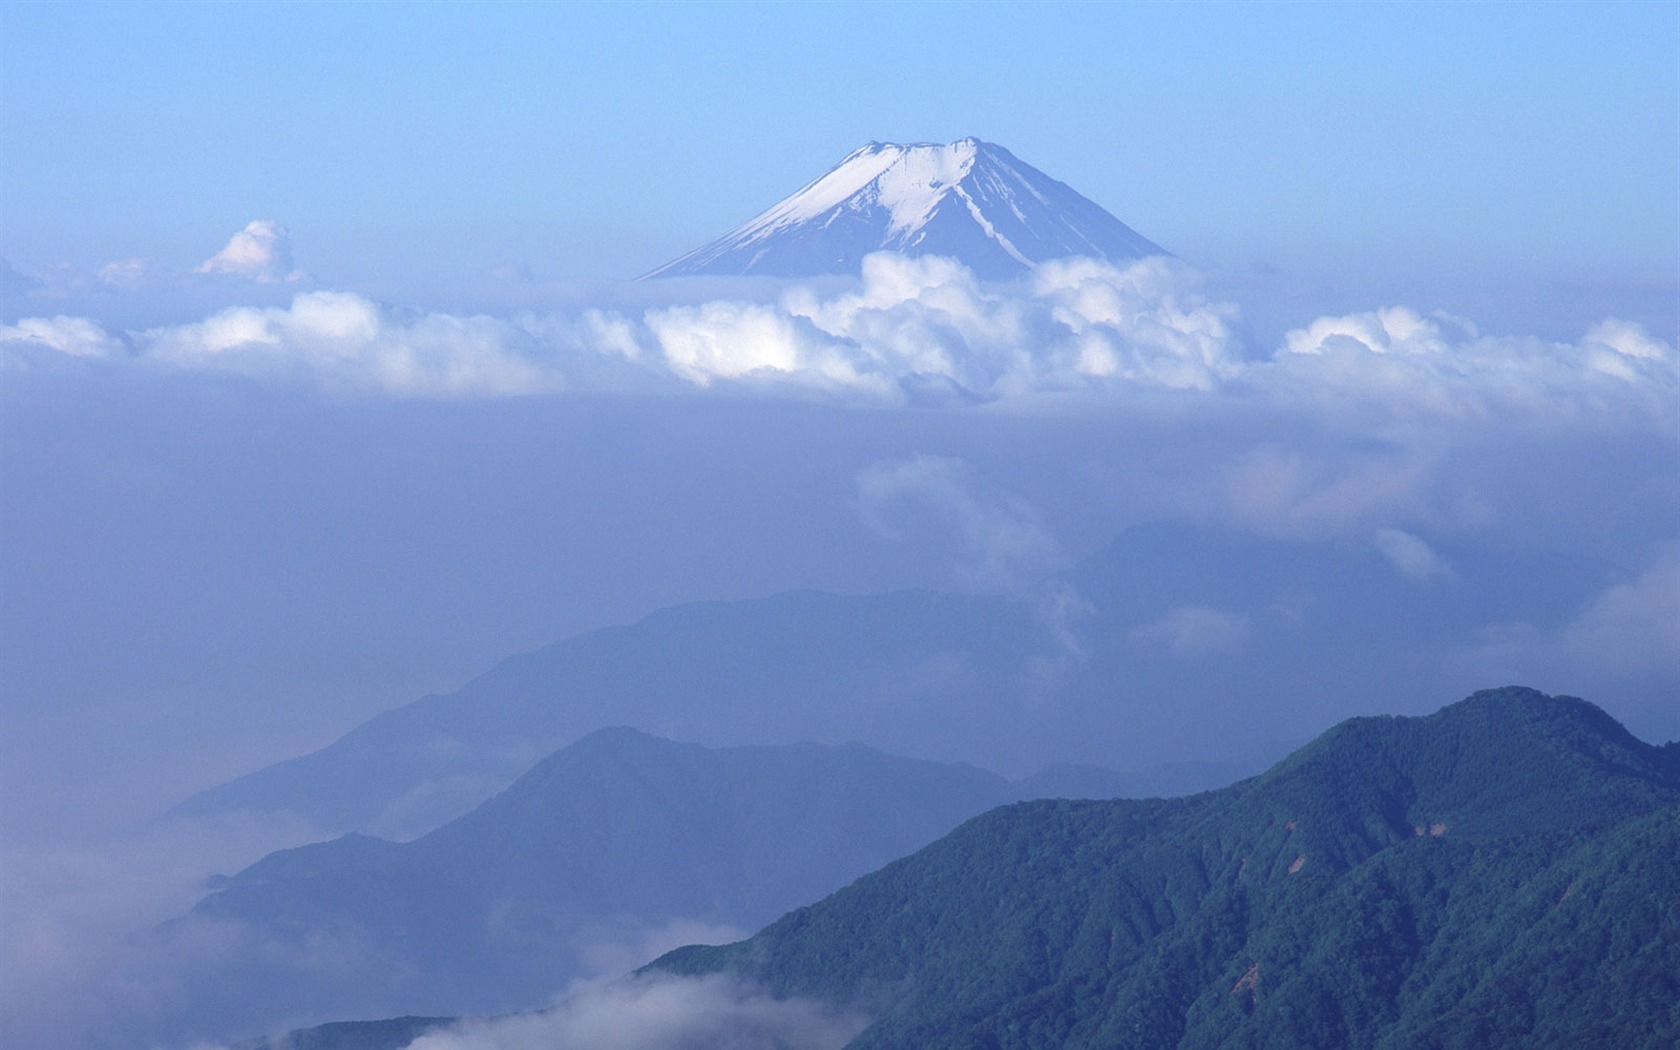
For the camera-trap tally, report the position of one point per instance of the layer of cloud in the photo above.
(261, 252)
(920, 331)
(652, 1013)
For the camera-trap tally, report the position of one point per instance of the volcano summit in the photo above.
(971, 200)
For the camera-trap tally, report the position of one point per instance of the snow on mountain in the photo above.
(971, 200)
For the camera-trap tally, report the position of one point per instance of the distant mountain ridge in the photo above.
(614, 839)
(971, 200)
(983, 679)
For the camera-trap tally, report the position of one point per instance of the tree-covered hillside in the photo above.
(1504, 872)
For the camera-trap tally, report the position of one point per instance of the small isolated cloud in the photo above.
(1190, 631)
(660, 1013)
(1409, 554)
(125, 274)
(1000, 540)
(261, 252)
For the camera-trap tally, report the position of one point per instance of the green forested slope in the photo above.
(1503, 872)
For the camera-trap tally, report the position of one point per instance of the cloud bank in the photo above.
(647, 1013)
(919, 332)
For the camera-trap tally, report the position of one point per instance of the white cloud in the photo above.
(126, 274)
(72, 336)
(76, 974)
(1628, 629)
(1411, 555)
(1301, 490)
(1001, 541)
(1395, 362)
(652, 1013)
(746, 341)
(347, 342)
(1633, 626)
(926, 331)
(1191, 631)
(261, 252)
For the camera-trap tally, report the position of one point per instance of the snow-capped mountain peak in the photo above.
(968, 199)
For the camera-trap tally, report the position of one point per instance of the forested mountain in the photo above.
(1501, 873)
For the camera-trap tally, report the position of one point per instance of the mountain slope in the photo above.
(971, 200)
(1500, 872)
(617, 842)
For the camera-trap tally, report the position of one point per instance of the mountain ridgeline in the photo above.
(1227, 624)
(1501, 873)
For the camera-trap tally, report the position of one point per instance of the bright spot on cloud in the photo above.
(72, 336)
(1411, 555)
(653, 1013)
(261, 252)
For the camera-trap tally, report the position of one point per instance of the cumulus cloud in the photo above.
(261, 252)
(925, 332)
(71, 336)
(348, 342)
(1397, 362)
(660, 1013)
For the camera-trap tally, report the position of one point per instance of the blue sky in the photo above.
(412, 147)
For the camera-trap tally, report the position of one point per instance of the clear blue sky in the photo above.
(422, 142)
